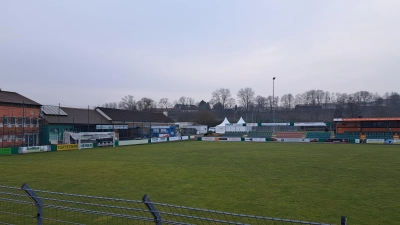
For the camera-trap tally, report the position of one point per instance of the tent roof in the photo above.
(241, 121)
(224, 122)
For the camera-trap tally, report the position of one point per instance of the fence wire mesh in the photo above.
(27, 206)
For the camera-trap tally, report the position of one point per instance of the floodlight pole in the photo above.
(273, 102)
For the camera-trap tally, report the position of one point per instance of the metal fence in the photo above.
(27, 206)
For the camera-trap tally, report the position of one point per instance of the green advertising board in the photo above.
(5, 151)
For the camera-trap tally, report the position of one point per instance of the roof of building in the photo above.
(14, 97)
(135, 116)
(53, 110)
(76, 116)
(186, 107)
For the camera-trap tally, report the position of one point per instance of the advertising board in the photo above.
(155, 140)
(251, 124)
(5, 151)
(209, 139)
(185, 138)
(174, 138)
(388, 141)
(31, 149)
(133, 142)
(105, 144)
(67, 147)
(85, 145)
(310, 124)
(293, 140)
(337, 140)
(375, 141)
(274, 124)
(230, 139)
(255, 139)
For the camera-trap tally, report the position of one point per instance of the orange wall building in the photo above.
(19, 120)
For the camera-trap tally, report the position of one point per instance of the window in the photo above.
(366, 124)
(35, 121)
(5, 120)
(20, 120)
(5, 137)
(19, 136)
(379, 124)
(394, 124)
(28, 121)
(12, 120)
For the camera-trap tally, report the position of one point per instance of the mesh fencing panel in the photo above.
(27, 206)
(16, 207)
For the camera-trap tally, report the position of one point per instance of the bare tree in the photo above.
(352, 106)
(299, 99)
(327, 99)
(222, 96)
(319, 96)
(146, 104)
(230, 103)
(190, 101)
(261, 103)
(270, 102)
(128, 102)
(394, 103)
(246, 97)
(287, 101)
(111, 105)
(164, 103)
(182, 100)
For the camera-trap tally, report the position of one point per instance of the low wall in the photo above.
(82, 146)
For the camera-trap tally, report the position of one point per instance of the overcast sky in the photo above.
(81, 53)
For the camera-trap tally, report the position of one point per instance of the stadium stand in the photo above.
(348, 136)
(289, 135)
(379, 136)
(234, 134)
(321, 135)
(260, 134)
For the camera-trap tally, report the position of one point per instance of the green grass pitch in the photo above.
(313, 182)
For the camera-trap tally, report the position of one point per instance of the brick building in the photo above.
(19, 120)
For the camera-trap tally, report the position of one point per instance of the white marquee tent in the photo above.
(241, 121)
(220, 129)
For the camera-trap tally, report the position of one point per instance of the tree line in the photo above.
(310, 105)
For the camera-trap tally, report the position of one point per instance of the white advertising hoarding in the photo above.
(45, 148)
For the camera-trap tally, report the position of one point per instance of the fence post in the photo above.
(38, 202)
(343, 220)
(153, 210)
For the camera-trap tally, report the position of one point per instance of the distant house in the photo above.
(137, 123)
(19, 123)
(305, 107)
(186, 108)
(56, 120)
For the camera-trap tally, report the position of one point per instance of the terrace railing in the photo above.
(27, 206)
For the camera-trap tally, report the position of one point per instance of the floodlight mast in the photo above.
(273, 102)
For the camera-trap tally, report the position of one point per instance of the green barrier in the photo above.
(14, 150)
(54, 148)
(116, 143)
(95, 145)
(5, 151)
(199, 138)
(321, 140)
